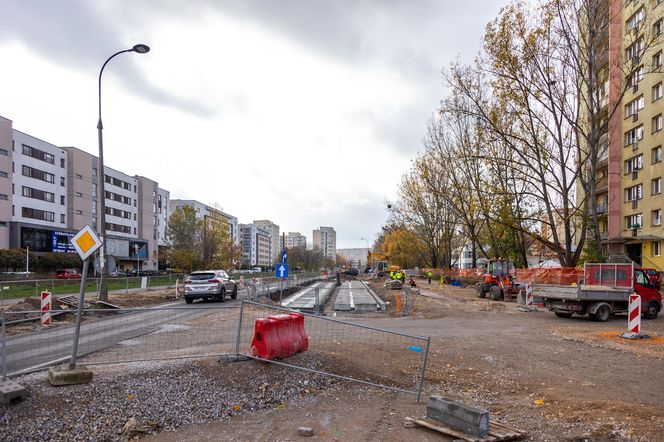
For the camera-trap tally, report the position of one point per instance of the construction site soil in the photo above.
(557, 379)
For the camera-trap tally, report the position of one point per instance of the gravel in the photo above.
(158, 395)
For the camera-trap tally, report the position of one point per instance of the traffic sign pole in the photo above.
(79, 312)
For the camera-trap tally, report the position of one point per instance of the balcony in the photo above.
(602, 185)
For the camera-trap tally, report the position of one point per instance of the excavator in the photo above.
(379, 263)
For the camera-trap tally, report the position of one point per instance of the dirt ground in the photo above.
(557, 379)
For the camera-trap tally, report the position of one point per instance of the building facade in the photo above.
(296, 239)
(51, 193)
(356, 257)
(210, 214)
(256, 245)
(630, 169)
(325, 239)
(276, 245)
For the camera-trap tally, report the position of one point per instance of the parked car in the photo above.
(351, 272)
(209, 284)
(67, 274)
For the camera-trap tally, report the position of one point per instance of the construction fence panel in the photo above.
(24, 288)
(120, 335)
(347, 350)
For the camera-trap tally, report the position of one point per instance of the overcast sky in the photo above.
(304, 112)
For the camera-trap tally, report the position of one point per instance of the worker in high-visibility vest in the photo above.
(392, 274)
(429, 275)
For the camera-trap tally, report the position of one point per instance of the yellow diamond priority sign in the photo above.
(86, 242)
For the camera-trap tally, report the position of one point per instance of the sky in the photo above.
(303, 112)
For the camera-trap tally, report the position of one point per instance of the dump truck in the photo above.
(603, 291)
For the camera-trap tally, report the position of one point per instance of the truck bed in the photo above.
(581, 293)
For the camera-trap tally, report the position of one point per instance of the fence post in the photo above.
(126, 284)
(4, 346)
(317, 292)
(36, 288)
(239, 329)
(424, 366)
(53, 286)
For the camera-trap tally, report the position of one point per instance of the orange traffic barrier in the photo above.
(279, 336)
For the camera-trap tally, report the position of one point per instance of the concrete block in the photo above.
(305, 431)
(471, 420)
(10, 390)
(69, 376)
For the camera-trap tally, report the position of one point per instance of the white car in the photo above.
(209, 284)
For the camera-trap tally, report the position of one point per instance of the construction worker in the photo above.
(392, 274)
(429, 275)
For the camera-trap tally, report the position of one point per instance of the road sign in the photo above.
(86, 242)
(282, 271)
(284, 256)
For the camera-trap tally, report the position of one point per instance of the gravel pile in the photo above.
(158, 396)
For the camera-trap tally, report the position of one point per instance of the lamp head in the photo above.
(141, 48)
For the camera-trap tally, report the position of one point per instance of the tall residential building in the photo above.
(325, 239)
(629, 178)
(356, 257)
(296, 239)
(276, 245)
(50, 193)
(256, 244)
(209, 213)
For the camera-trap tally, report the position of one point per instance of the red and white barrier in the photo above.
(529, 295)
(45, 308)
(634, 317)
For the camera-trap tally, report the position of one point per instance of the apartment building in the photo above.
(51, 193)
(629, 183)
(256, 244)
(276, 245)
(208, 213)
(325, 239)
(295, 239)
(356, 257)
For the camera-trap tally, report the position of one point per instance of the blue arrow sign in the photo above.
(282, 271)
(284, 256)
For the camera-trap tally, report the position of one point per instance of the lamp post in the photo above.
(27, 257)
(103, 286)
(368, 250)
(138, 263)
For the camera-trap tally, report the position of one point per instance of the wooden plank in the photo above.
(497, 430)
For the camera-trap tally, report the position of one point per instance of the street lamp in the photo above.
(103, 286)
(27, 257)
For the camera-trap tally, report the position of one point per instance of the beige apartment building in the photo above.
(48, 193)
(629, 184)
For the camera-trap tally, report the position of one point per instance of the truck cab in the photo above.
(651, 298)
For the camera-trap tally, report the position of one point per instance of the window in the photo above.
(634, 50)
(633, 164)
(657, 28)
(79, 176)
(62, 200)
(634, 193)
(4, 174)
(656, 186)
(657, 123)
(62, 218)
(657, 91)
(635, 20)
(94, 171)
(657, 60)
(633, 220)
(43, 215)
(79, 195)
(656, 217)
(634, 106)
(656, 154)
(37, 194)
(38, 154)
(62, 181)
(4, 197)
(38, 174)
(62, 163)
(4, 152)
(656, 248)
(94, 190)
(79, 212)
(634, 135)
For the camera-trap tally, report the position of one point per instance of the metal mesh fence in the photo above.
(124, 335)
(351, 351)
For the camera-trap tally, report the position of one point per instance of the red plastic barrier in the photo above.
(279, 336)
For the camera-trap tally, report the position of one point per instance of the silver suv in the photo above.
(209, 284)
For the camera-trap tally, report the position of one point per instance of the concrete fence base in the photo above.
(470, 420)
